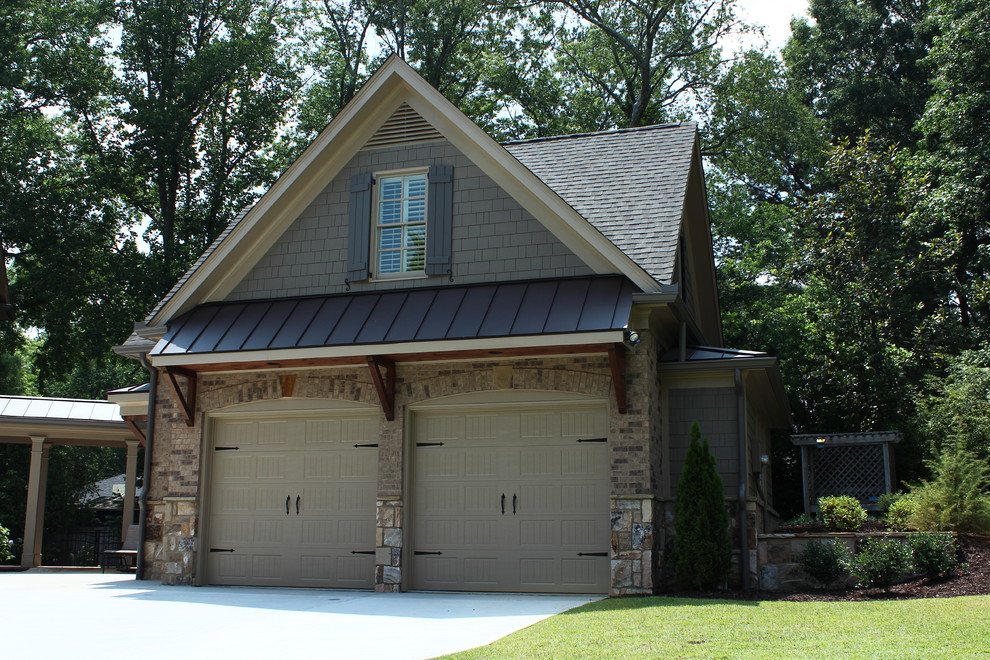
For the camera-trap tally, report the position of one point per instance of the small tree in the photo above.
(702, 551)
(5, 553)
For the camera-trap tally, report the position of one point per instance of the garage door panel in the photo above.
(307, 463)
(560, 488)
(237, 434)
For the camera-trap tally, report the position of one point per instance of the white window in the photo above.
(399, 241)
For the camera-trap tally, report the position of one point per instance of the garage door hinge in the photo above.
(221, 549)
(429, 444)
(362, 552)
(423, 552)
(593, 440)
(372, 444)
(592, 554)
(226, 448)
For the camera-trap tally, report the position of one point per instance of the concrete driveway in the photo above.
(91, 615)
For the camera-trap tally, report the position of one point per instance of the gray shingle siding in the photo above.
(493, 238)
(715, 410)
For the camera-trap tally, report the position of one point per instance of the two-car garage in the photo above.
(502, 498)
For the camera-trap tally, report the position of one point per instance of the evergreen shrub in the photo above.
(826, 562)
(934, 553)
(957, 499)
(881, 562)
(899, 514)
(841, 513)
(702, 550)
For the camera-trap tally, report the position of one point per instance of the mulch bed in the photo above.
(970, 580)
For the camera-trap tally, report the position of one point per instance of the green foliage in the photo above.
(954, 409)
(799, 520)
(5, 548)
(898, 516)
(934, 554)
(880, 563)
(841, 513)
(886, 500)
(702, 550)
(826, 562)
(957, 499)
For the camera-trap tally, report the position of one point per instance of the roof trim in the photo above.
(415, 347)
(395, 82)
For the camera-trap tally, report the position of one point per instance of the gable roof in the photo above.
(630, 184)
(639, 244)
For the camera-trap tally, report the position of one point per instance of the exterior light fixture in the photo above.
(632, 338)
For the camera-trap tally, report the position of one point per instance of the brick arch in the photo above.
(345, 386)
(545, 379)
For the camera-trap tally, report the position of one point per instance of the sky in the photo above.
(774, 15)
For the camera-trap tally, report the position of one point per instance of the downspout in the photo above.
(743, 481)
(149, 442)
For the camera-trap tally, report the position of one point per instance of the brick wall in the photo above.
(493, 238)
(632, 441)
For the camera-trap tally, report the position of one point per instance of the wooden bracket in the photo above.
(186, 397)
(288, 384)
(132, 424)
(385, 385)
(617, 360)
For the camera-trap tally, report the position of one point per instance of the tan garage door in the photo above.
(511, 500)
(293, 502)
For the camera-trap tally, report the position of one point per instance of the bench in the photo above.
(126, 555)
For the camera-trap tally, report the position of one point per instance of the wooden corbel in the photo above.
(186, 397)
(132, 424)
(385, 385)
(617, 361)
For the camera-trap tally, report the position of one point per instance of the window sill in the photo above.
(400, 277)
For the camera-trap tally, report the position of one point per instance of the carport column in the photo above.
(388, 542)
(130, 481)
(34, 520)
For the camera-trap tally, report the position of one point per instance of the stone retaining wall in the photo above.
(778, 555)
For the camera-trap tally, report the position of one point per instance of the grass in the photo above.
(690, 628)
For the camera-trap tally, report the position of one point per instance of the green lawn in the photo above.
(689, 628)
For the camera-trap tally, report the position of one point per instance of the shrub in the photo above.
(956, 500)
(899, 514)
(5, 544)
(880, 562)
(800, 520)
(702, 551)
(934, 554)
(887, 500)
(841, 513)
(825, 562)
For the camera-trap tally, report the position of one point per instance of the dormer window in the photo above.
(400, 224)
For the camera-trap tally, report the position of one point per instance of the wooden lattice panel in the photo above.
(856, 470)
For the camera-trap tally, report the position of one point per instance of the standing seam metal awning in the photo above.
(511, 309)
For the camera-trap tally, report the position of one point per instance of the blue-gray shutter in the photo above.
(359, 228)
(439, 216)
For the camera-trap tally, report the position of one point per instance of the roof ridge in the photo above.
(611, 131)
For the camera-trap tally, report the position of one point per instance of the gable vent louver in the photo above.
(405, 125)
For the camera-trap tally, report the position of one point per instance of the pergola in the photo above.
(42, 422)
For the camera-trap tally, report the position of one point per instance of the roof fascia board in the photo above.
(303, 180)
(697, 170)
(363, 350)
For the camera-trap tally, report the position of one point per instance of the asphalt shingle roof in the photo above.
(629, 184)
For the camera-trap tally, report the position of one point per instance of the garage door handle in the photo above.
(503, 504)
(592, 554)
(298, 499)
(288, 500)
(513, 504)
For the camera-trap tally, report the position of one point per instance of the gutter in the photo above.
(146, 475)
(743, 480)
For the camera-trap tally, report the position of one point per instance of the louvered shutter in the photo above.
(439, 218)
(359, 228)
